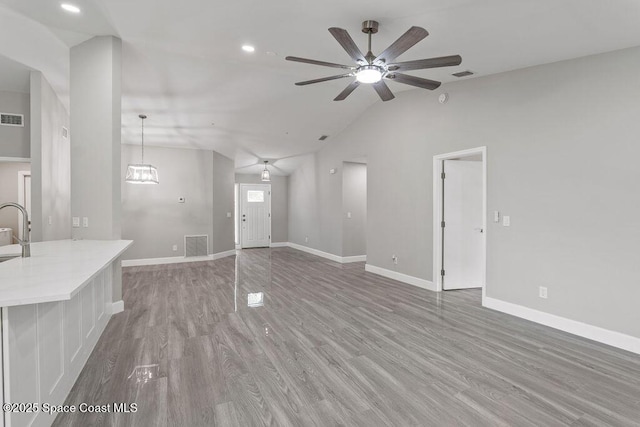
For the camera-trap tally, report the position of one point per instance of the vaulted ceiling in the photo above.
(183, 64)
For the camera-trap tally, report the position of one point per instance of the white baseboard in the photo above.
(279, 244)
(327, 255)
(595, 333)
(117, 307)
(175, 260)
(354, 258)
(401, 277)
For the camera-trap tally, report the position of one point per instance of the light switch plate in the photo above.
(496, 216)
(228, 214)
(50, 220)
(348, 214)
(506, 221)
(76, 221)
(85, 222)
(543, 292)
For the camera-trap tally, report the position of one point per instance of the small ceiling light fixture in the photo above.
(248, 48)
(266, 175)
(369, 74)
(70, 8)
(142, 173)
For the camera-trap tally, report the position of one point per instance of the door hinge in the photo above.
(442, 224)
(442, 272)
(442, 175)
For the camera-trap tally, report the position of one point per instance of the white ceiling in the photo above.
(15, 76)
(184, 68)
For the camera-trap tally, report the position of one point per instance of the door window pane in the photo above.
(255, 196)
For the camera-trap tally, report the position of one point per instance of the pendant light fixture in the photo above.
(142, 173)
(266, 175)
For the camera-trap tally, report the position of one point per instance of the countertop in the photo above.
(56, 270)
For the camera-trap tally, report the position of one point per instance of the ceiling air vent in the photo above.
(463, 74)
(7, 119)
(323, 137)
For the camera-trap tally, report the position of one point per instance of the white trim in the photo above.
(353, 258)
(595, 333)
(437, 212)
(175, 259)
(16, 159)
(400, 277)
(327, 255)
(117, 307)
(279, 244)
(21, 189)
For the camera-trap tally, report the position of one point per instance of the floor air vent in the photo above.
(196, 245)
(7, 119)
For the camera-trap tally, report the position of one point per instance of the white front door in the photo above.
(255, 215)
(463, 243)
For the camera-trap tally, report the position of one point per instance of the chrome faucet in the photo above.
(26, 249)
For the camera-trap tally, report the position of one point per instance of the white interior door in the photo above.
(463, 243)
(24, 199)
(255, 215)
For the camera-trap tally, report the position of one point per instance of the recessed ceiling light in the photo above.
(70, 8)
(248, 48)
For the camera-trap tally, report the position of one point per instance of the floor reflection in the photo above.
(253, 278)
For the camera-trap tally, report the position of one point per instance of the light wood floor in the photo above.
(334, 345)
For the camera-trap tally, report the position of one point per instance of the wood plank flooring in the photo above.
(334, 345)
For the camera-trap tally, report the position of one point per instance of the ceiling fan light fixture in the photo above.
(369, 74)
(266, 175)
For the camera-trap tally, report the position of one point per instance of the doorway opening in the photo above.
(255, 215)
(460, 220)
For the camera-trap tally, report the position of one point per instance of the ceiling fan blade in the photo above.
(415, 81)
(398, 47)
(421, 64)
(324, 79)
(383, 91)
(347, 91)
(347, 43)
(314, 62)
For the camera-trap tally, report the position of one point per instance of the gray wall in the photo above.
(15, 141)
(96, 79)
(9, 192)
(279, 203)
(154, 219)
(354, 201)
(223, 177)
(51, 164)
(562, 162)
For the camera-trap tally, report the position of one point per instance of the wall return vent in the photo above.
(197, 245)
(8, 119)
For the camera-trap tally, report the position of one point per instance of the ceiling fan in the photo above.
(371, 69)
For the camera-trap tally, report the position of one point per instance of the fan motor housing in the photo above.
(370, 27)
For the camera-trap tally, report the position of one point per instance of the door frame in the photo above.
(241, 209)
(21, 179)
(437, 212)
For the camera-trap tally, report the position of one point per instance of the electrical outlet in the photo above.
(395, 259)
(228, 214)
(85, 222)
(76, 221)
(175, 248)
(543, 292)
(306, 239)
(506, 221)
